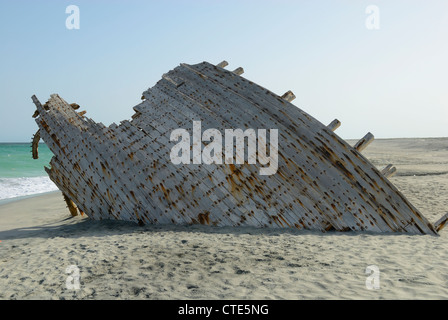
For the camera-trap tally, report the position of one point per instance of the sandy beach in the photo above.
(120, 260)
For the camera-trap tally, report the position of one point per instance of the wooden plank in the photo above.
(238, 71)
(288, 96)
(222, 64)
(364, 142)
(334, 125)
(441, 223)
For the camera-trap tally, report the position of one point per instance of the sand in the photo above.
(120, 260)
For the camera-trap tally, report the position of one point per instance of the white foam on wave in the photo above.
(18, 187)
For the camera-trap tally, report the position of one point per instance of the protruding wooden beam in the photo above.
(45, 107)
(222, 64)
(386, 168)
(239, 71)
(440, 224)
(391, 172)
(75, 106)
(364, 142)
(71, 206)
(334, 125)
(388, 171)
(35, 145)
(288, 96)
(36, 113)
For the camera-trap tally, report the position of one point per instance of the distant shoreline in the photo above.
(20, 198)
(20, 142)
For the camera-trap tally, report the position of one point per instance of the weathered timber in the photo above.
(389, 171)
(126, 171)
(35, 145)
(288, 96)
(386, 169)
(334, 125)
(222, 64)
(238, 71)
(364, 142)
(441, 222)
(71, 206)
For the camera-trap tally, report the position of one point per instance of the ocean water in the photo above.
(20, 174)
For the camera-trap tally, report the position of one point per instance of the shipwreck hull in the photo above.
(125, 171)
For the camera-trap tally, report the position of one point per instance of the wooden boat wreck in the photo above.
(127, 171)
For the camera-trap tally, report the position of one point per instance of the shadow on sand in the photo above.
(75, 227)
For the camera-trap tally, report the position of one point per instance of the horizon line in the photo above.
(434, 137)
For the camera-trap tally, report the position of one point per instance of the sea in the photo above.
(20, 174)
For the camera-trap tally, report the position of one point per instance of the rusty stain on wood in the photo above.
(71, 206)
(125, 171)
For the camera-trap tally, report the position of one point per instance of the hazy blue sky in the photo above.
(391, 81)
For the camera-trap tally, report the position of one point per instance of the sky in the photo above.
(387, 76)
